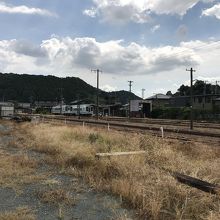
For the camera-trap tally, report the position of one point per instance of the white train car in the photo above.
(57, 109)
(83, 109)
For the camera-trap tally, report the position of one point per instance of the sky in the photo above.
(150, 42)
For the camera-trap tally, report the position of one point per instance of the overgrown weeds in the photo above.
(56, 196)
(139, 180)
(19, 214)
(16, 170)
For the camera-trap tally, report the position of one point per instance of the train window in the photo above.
(87, 109)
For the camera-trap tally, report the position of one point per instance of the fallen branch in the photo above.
(196, 183)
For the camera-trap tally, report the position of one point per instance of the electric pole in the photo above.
(129, 102)
(78, 106)
(216, 87)
(143, 90)
(204, 94)
(97, 71)
(130, 85)
(61, 101)
(191, 97)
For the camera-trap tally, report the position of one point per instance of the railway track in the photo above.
(148, 121)
(170, 132)
(181, 123)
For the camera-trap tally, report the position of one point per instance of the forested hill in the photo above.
(30, 88)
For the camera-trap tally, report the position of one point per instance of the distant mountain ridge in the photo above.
(31, 88)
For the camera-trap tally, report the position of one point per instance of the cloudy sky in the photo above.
(150, 42)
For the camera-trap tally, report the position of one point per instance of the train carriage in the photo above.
(83, 109)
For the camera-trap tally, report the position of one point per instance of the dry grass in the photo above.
(17, 170)
(56, 196)
(22, 213)
(138, 180)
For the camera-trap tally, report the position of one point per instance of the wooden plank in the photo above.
(119, 153)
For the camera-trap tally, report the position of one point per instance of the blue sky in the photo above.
(151, 42)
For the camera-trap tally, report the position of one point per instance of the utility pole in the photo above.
(204, 90)
(191, 97)
(143, 90)
(204, 94)
(61, 101)
(129, 102)
(78, 106)
(216, 87)
(97, 71)
(130, 85)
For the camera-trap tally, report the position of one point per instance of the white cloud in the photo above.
(120, 11)
(123, 11)
(60, 55)
(213, 11)
(108, 88)
(22, 9)
(90, 12)
(150, 68)
(209, 79)
(174, 6)
(155, 28)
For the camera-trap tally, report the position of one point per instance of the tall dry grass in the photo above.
(21, 213)
(17, 170)
(140, 181)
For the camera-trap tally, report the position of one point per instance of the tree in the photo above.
(169, 93)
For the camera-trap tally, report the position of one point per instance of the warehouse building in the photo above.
(140, 108)
(159, 100)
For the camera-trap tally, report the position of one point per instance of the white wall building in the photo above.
(6, 109)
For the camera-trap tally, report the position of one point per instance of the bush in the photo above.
(171, 113)
(183, 113)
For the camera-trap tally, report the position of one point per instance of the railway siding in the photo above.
(137, 126)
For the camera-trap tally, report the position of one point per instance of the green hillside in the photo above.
(30, 88)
